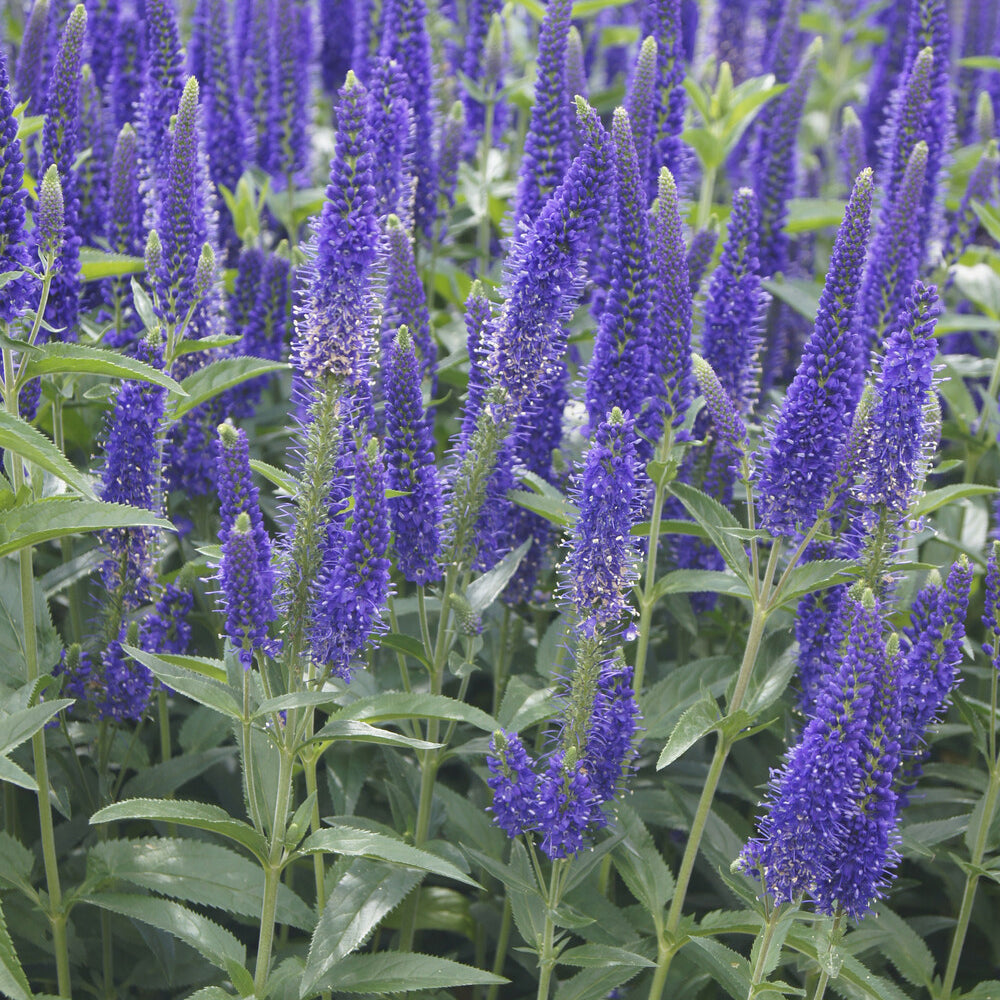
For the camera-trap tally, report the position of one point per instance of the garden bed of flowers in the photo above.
(499, 500)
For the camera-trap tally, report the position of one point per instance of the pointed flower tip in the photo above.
(242, 524)
(814, 50)
(892, 646)
(190, 94)
(404, 341)
(648, 51)
(228, 434)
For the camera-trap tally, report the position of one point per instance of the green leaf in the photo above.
(901, 944)
(590, 956)
(13, 665)
(22, 725)
(592, 983)
(363, 896)
(43, 520)
(484, 590)
(406, 644)
(217, 377)
(169, 775)
(406, 705)
(728, 969)
(204, 935)
(716, 521)
(851, 971)
(805, 215)
(401, 972)
(14, 775)
(357, 843)
(352, 731)
(641, 866)
(697, 581)
(771, 687)
(799, 294)
(212, 343)
(13, 981)
(58, 357)
(559, 511)
(285, 481)
(698, 721)
(195, 871)
(509, 875)
(818, 574)
(206, 692)
(24, 440)
(16, 863)
(96, 264)
(200, 815)
(941, 497)
(284, 702)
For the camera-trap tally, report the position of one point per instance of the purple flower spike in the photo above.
(60, 147)
(245, 574)
(391, 127)
(662, 20)
(991, 606)
(672, 382)
(289, 111)
(735, 306)
(699, 256)
(814, 423)
(353, 582)
(162, 87)
(333, 335)
(543, 273)
(601, 565)
(13, 249)
(125, 685)
(131, 476)
(806, 834)
(405, 39)
(895, 455)
(167, 629)
(548, 143)
(416, 517)
(31, 72)
(623, 346)
(513, 782)
(128, 70)
(639, 104)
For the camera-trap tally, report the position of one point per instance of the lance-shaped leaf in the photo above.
(58, 358)
(24, 440)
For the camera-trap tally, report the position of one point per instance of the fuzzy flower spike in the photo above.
(13, 249)
(815, 420)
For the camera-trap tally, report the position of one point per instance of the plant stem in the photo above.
(56, 917)
(766, 937)
(646, 598)
(66, 543)
(272, 872)
(761, 610)
(484, 236)
(979, 849)
(547, 955)
(705, 198)
(503, 943)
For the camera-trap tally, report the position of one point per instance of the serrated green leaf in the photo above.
(285, 481)
(59, 357)
(354, 842)
(197, 872)
(485, 589)
(16, 863)
(169, 775)
(716, 521)
(901, 944)
(13, 665)
(216, 378)
(727, 968)
(14, 775)
(353, 731)
(44, 520)
(363, 896)
(818, 574)
(697, 581)
(559, 511)
(206, 692)
(22, 725)
(97, 264)
(590, 956)
(204, 935)
(406, 644)
(21, 438)
(592, 983)
(698, 721)
(406, 705)
(300, 699)
(13, 981)
(200, 815)
(944, 495)
(641, 866)
(401, 972)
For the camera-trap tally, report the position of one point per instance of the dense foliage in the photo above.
(499, 499)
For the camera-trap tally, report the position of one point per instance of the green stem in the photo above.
(761, 611)
(705, 199)
(66, 544)
(979, 849)
(824, 977)
(646, 601)
(107, 949)
(57, 917)
(485, 234)
(272, 873)
(766, 937)
(503, 661)
(547, 955)
(503, 943)
(991, 394)
(309, 763)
